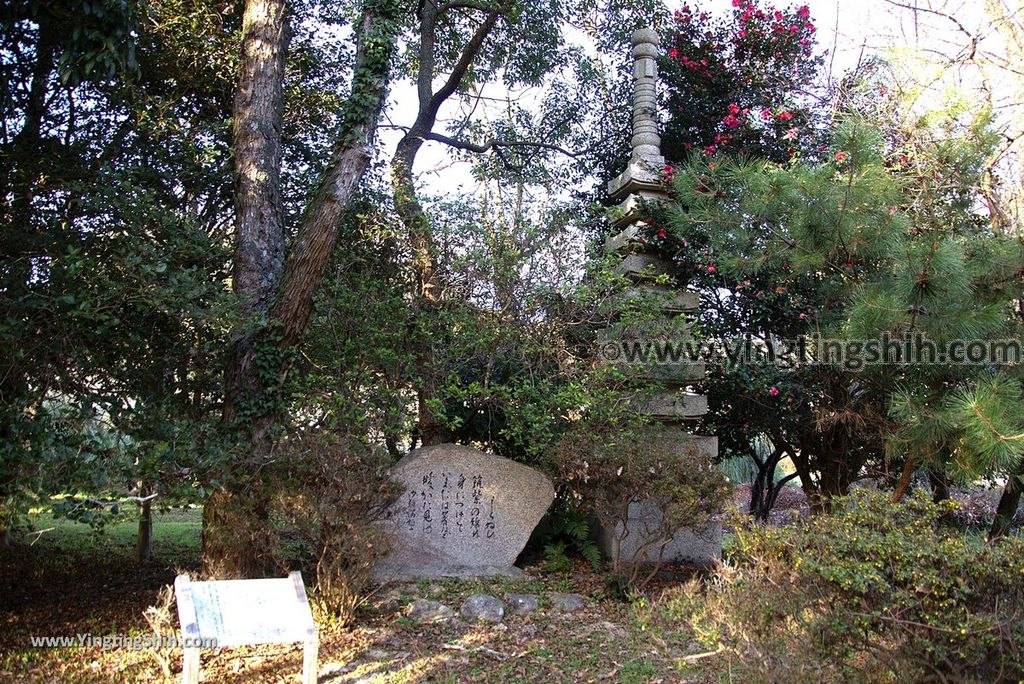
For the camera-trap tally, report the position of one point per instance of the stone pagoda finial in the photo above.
(646, 141)
(642, 178)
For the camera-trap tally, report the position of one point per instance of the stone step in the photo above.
(666, 299)
(671, 374)
(674, 406)
(675, 330)
(640, 266)
(630, 210)
(641, 175)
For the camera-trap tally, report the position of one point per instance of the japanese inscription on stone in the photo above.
(463, 508)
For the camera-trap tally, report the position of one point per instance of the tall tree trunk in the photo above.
(904, 482)
(278, 293)
(431, 429)
(234, 538)
(257, 113)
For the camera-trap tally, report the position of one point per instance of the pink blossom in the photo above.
(774, 391)
(731, 121)
(734, 108)
(803, 12)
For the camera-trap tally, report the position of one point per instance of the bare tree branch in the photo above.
(494, 144)
(469, 53)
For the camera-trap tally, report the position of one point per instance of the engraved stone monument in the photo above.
(463, 513)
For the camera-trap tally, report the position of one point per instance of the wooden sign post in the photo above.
(243, 612)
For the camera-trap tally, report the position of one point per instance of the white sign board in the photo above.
(241, 612)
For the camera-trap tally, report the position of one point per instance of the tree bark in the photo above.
(904, 481)
(257, 112)
(1009, 502)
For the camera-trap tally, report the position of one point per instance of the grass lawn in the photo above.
(71, 581)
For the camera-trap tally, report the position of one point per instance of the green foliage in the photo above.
(741, 83)
(852, 249)
(333, 493)
(569, 532)
(608, 468)
(875, 592)
(102, 40)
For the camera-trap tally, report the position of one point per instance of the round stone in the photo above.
(425, 611)
(483, 608)
(645, 35)
(567, 603)
(642, 138)
(523, 603)
(645, 50)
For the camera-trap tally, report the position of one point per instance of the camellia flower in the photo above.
(710, 268)
(774, 391)
(766, 113)
(711, 150)
(734, 108)
(731, 121)
(784, 116)
(803, 12)
(662, 234)
(673, 53)
(840, 156)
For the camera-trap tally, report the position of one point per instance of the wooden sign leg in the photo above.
(310, 661)
(190, 666)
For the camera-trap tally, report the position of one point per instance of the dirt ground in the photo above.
(73, 583)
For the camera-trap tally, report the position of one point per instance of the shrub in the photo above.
(874, 592)
(338, 492)
(608, 470)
